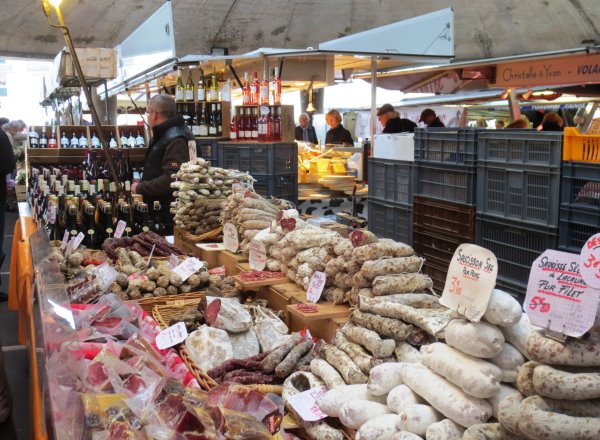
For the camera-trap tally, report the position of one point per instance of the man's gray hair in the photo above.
(304, 115)
(164, 104)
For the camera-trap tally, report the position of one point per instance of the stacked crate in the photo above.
(517, 203)
(390, 198)
(580, 193)
(445, 182)
(207, 150)
(273, 165)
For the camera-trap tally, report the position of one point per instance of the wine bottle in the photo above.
(72, 221)
(34, 141)
(43, 140)
(52, 140)
(53, 225)
(262, 125)
(95, 140)
(254, 119)
(112, 143)
(276, 88)
(140, 142)
(246, 93)
(201, 87)
(270, 119)
(131, 141)
(124, 140)
(264, 89)
(64, 141)
(277, 124)
(158, 225)
(219, 117)
(247, 124)
(233, 132)
(255, 90)
(83, 143)
(203, 122)
(74, 143)
(179, 89)
(190, 88)
(145, 222)
(213, 94)
(212, 125)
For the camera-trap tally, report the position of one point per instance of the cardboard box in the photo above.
(96, 63)
(395, 146)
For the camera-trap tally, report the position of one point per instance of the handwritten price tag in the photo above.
(192, 150)
(558, 299)
(470, 281)
(173, 261)
(120, 229)
(65, 240)
(171, 336)
(590, 262)
(77, 240)
(305, 404)
(258, 255)
(315, 287)
(230, 238)
(188, 268)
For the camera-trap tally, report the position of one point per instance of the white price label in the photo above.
(305, 404)
(77, 240)
(315, 287)
(120, 229)
(470, 281)
(188, 268)
(590, 262)
(192, 150)
(258, 255)
(171, 336)
(65, 240)
(173, 261)
(52, 214)
(558, 299)
(230, 238)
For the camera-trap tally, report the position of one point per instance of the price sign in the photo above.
(470, 281)
(77, 240)
(305, 404)
(65, 240)
(315, 287)
(558, 299)
(171, 336)
(120, 229)
(189, 267)
(230, 238)
(258, 255)
(192, 150)
(590, 262)
(173, 261)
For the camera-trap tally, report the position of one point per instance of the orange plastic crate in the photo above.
(579, 147)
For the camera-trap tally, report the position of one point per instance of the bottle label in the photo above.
(95, 142)
(52, 214)
(246, 100)
(145, 229)
(233, 135)
(196, 130)
(112, 143)
(203, 130)
(264, 94)
(179, 95)
(83, 142)
(73, 232)
(52, 143)
(189, 95)
(212, 130)
(254, 134)
(248, 134)
(201, 94)
(213, 95)
(140, 141)
(43, 141)
(74, 143)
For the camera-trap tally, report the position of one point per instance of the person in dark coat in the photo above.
(552, 122)
(392, 123)
(337, 134)
(7, 166)
(305, 131)
(430, 119)
(168, 149)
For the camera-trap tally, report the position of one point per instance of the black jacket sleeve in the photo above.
(176, 153)
(7, 157)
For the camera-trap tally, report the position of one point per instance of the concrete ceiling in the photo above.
(484, 28)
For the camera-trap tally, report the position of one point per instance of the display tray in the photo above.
(251, 285)
(179, 300)
(325, 310)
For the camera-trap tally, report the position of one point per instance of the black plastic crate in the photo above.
(581, 185)
(453, 183)
(434, 247)
(576, 226)
(520, 147)
(390, 220)
(437, 271)
(515, 244)
(260, 158)
(444, 218)
(207, 150)
(446, 145)
(517, 290)
(278, 185)
(391, 180)
(528, 194)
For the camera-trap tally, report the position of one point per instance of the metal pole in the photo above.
(88, 97)
(513, 104)
(373, 99)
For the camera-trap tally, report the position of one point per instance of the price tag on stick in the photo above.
(305, 404)
(558, 299)
(77, 240)
(65, 240)
(171, 336)
(470, 281)
(315, 287)
(230, 238)
(590, 262)
(258, 255)
(120, 229)
(189, 267)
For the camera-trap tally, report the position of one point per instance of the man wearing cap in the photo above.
(392, 123)
(430, 119)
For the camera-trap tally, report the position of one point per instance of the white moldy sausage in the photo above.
(525, 378)
(356, 412)
(488, 431)
(576, 353)
(504, 392)
(447, 398)
(417, 418)
(323, 369)
(400, 397)
(405, 435)
(509, 412)
(332, 401)
(518, 334)
(478, 339)
(383, 378)
(559, 384)
(474, 376)
(503, 309)
(378, 428)
(444, 430)
(509, 358)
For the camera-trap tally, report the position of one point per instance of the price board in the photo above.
(258, 255)
(171, 336)
(470, 281)
(315, 286)
(558, 299)
(590, 262)
(230, 238)
(305, 404)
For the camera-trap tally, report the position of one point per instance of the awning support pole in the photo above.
(513, 104)
(373, 98)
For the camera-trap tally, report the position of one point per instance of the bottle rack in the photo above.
(288, 125)
(225, 116)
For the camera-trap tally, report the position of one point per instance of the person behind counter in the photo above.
(167, 150)
(305, 131)
(392, 123)
(552, 122)
(337, 134)
(430, 119)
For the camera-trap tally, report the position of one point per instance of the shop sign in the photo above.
(577, 69)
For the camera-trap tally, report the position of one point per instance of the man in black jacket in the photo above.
(392, 123)
(7, 166)
(305, 132)
(430, 119)
(169, 147)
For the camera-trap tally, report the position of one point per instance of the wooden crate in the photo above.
(96, 63)
(230, 261)
(319, 324)
(70, 129)
(39, 156)
(288, 124)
